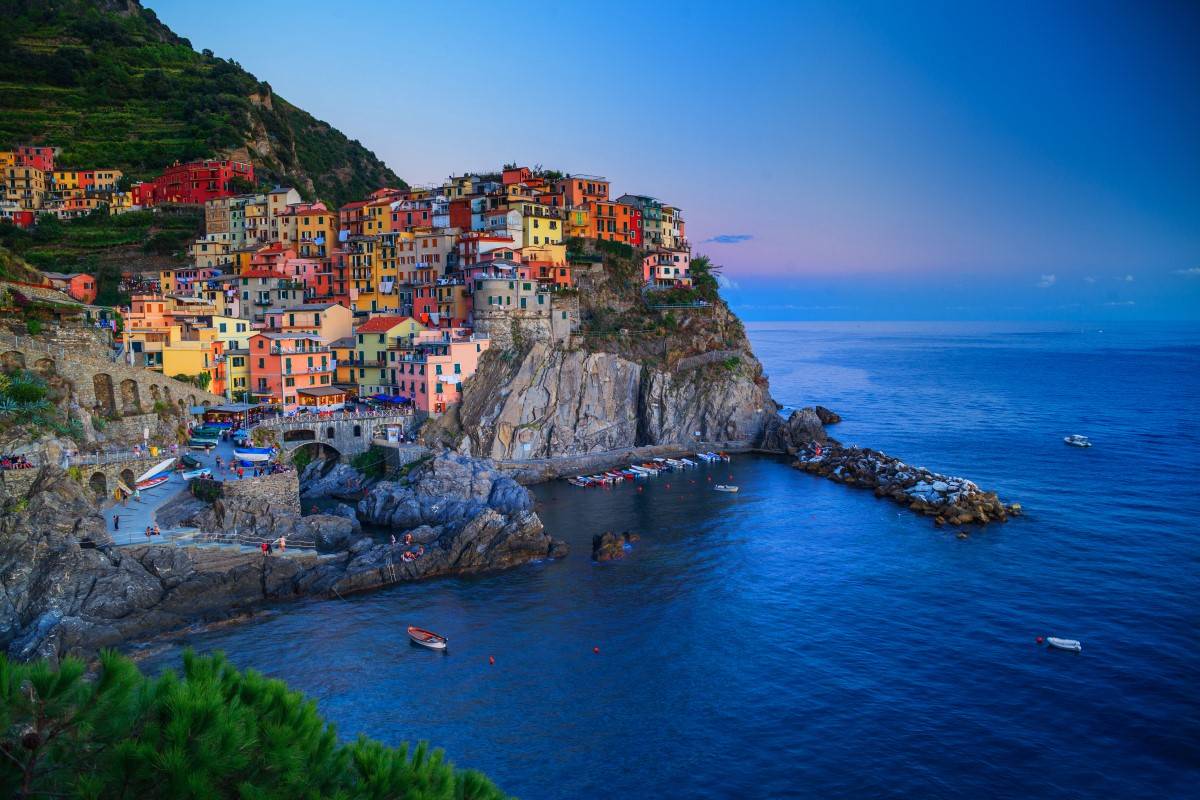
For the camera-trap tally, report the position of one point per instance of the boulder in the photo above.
(826, 416)
(610, 546)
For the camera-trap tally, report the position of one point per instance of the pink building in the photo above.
(430, 370)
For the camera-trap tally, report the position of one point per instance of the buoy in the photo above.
(668, 486)
(596, 650)
(1040, 639)
(639, 488)
(491, 659)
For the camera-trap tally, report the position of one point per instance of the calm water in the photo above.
(803, 639)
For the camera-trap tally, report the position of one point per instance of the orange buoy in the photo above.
(596, 650)
(668, 486)
(491, 659)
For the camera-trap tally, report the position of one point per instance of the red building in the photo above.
(35, 157)
(460, 213)
(194, 183)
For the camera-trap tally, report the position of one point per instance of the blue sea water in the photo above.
(804, 639)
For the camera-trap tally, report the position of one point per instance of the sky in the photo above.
(840, 161)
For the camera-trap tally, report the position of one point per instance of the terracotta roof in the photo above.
(381, 324)
(261, 273)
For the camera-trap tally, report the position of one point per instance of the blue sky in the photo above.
(863, 161)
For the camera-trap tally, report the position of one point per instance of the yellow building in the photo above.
(578, 222)
(233, 331)
(237, 372)
(371, 341)
(540, 224)
(343, 357)
(25, 186)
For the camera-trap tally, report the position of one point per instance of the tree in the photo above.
(210, 732)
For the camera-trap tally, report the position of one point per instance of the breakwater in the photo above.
(949, 500)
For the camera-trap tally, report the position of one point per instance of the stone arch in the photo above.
(205, 403)
(98, 483)
(155, 397)
(166, 392)
(131, 402)
(102, 385)
(300, 435)
(331, 432)
(44, 366)
(127, 477)
(191, 400)
(181, 405)
(358, 430)
(12, 360)
(320, 451)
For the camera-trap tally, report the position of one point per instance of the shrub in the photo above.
(373, 463)
(33, 327)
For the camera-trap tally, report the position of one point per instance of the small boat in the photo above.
(1077, 440)
(152, 482)
(1064, 644)
(200, 442)
(724, 487)
(253, 453)
(426, 638)
(196, 473)
(189, 462)
(687, 462)
(155, 470)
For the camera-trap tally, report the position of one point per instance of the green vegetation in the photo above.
(200, 380)
(103, 245)
(116, 89)
(302, 457)
(210, 732)
(373, 463)
(33, 327)
(27, 402)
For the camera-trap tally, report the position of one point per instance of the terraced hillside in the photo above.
(111, 85)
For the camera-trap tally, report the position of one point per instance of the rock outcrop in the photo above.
(67, 589)
(609, 546)
(801, 429)
(949, 500)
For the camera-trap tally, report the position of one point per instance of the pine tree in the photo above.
(210, 732)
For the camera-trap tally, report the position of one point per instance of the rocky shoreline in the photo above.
(69, 590)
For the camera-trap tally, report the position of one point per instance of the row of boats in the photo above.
(646, 469)
(209, 435)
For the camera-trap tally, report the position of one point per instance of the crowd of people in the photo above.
(16, 462)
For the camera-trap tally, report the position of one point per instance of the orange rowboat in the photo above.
(426, 638)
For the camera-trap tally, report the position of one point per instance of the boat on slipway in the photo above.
(253, 453)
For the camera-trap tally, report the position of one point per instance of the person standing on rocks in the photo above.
(117, 524)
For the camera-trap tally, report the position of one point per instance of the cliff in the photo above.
(636, 374)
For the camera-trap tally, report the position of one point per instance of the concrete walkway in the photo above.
(136, 516)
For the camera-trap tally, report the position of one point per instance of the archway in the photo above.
(358, 430)
(130, 401)
(300, 435)
(317, 451)
(102, 386)
(12, 361)
(330, 432)
(98, 483)
(44, 366)
(155, 397)
(127, 477)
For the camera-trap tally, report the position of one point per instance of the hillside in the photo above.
(112, 86)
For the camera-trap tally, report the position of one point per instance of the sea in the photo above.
(804, 639)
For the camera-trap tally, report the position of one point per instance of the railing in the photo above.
(333, 416)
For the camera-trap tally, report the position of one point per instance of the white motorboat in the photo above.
(1064, 644)
(724, 487)
(1077, 440)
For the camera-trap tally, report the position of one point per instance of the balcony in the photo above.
(308, 370)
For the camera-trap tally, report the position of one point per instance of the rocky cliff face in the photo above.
(554, 400)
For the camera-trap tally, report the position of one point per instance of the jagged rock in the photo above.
(61, 597)
(801, 429)
(343, 510)
(610, 546)
(320, 479)
(826, 416)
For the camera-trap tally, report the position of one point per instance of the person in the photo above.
(264, 548)
(137, 494)
(393, 540)
(117, 523)
(218, 462)
(157, 532)
(282, 543)
(241, 472)
(149, 531)
(407, 539)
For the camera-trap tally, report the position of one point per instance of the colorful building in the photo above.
(281, 364)
(194, 183)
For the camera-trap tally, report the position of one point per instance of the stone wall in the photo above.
(349, 436)
(504, 326)
(278, 494)
(98, 385)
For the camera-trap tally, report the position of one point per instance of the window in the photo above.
(262, 363)
(289, 381)
(358, 430)
(457, 368)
